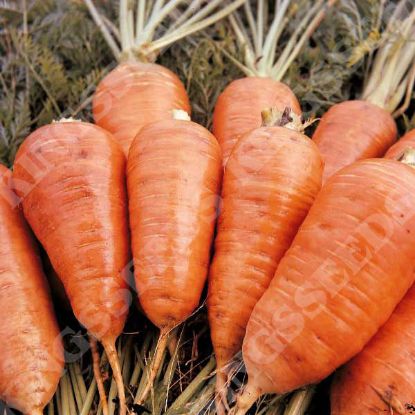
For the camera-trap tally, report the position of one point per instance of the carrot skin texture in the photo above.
(135, 94)
(238, 108)
(384, 367)
(383, 372)
(270, 182)
(174, 173)
(71, 178)
(351, 131)
(31, 351)
(348, 267)
(407, 141)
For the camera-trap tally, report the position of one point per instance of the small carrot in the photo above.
(238, 108)
(70, 177)
(138, 91)
(365, 128)
(270, 182)
(348, 267)
(31, 349)
(174, 175)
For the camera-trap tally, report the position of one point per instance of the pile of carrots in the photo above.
(307, 246)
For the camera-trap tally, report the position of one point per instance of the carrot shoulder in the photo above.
(353, 130)
(31, 349)
(238, 108)
(347, 269)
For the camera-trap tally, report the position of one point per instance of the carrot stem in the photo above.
(300, 402)
(391, 77)
(98, 374)
(110, 350)
(137, 37)
(161, 346)
(191, 389)
(64, 395)
(75, 387)
(101, 25)
(89, 398)
(51, 408)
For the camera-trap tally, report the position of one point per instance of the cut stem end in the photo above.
(272, 117)
(408, 157)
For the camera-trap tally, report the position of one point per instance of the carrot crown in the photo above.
(259, 40)
(147, 26)
(408, 157)
(391, 79)
(272, 117)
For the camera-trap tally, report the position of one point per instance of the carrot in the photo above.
(365, 128)
(381, 379)
(270, 182)
(138, 91)
(397, 150)
(70, 177)
(31, 349)
(174, 174)
(348, 267)
(238, 108)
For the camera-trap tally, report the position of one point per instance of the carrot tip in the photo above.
(162, 344)
(221, 399)
(245, 400)
(110, 350)
(98, 375)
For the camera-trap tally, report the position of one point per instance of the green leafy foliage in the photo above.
(47, 70)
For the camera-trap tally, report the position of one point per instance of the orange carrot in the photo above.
(355, 130)
(174, 174)
(397, 150)
(138, 91)
(345, 135)
(381, 379)
(270, 182)
(348, 267)
(31, 349)
(238, 108)
(71, 179)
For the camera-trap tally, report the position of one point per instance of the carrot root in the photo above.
(36, 412)
(162, 344)
(173, 341)
(221, 399)
(246, 399)
(110, 350)
(98, 375)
